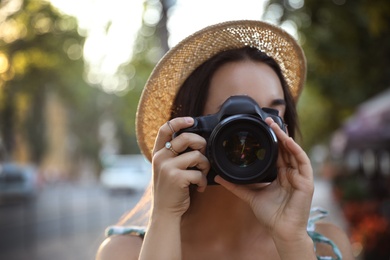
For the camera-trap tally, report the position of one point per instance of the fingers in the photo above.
(181, 144)
(192, 160)
(291, 154)
(168, 129)
(196, 178)
(173, 161)
(188, 168)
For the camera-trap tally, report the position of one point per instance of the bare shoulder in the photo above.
(120, 247)
(338, 236)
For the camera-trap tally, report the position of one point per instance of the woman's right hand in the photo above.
(174, 173)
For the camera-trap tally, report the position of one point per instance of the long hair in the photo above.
(192, 96)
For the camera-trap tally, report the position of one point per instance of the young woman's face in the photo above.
(255, 79)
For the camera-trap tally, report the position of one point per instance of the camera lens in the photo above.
(242, 148)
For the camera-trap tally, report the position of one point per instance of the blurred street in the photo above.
(323, 198)
(66, 221)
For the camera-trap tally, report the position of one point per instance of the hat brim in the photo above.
(178, 63)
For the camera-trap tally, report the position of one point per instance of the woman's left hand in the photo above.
(283, 206)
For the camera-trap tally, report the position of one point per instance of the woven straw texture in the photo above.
(179, 62)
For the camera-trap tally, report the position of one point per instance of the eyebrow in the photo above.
(278, 102)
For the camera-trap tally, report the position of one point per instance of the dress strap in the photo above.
(123, 230)
(317, 214)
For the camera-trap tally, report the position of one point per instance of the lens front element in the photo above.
(243, 148)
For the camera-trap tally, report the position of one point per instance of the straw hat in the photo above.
(178, 63)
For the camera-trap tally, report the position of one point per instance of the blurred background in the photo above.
(71, 73)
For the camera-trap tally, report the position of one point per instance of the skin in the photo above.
(227, 221)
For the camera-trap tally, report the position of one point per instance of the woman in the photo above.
(192, 220)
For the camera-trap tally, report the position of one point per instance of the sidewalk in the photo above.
(323, 198)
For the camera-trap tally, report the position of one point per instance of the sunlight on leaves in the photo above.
(12, 30)
(4, 64)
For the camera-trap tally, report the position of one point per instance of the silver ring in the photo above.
(170, 126)
(168, 146)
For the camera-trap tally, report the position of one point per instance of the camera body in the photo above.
(241, 147)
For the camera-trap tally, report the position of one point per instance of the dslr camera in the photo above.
(241, 147)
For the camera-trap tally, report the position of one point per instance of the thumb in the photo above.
(239, 190)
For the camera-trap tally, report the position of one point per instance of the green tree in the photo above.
(150, 45)
(41, 53)
(346, 44)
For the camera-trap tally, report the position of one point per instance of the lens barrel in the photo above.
(243, 149)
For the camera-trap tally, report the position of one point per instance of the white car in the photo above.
(18, 182)
(125, 172)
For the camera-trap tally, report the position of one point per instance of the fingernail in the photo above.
(189, 120)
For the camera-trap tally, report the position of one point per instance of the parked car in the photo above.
(18, 182)
(125, 172)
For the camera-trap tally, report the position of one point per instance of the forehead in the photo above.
(255, 79)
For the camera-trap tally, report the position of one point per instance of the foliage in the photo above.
(346, 44)
(41, 54)
(151, 43)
